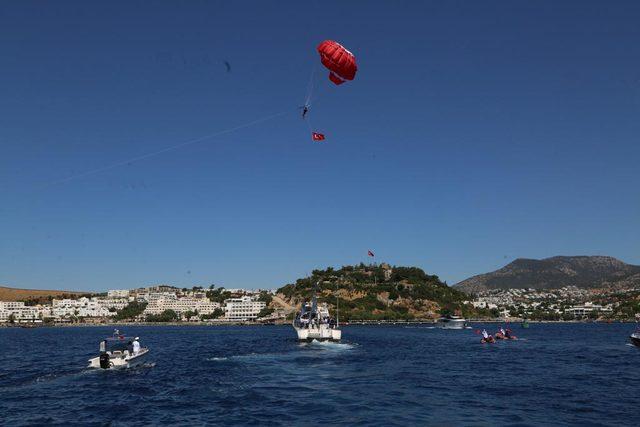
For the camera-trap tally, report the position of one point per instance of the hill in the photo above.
(35, 295)
(556, 272)
(377, 292)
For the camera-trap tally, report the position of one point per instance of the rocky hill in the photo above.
(557, 272)
(376, 292)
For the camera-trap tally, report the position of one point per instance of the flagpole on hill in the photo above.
(375, 278)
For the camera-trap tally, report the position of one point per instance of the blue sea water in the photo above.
(556, 374)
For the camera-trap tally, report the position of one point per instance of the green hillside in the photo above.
(379, 292)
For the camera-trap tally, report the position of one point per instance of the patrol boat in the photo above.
(116, 351)
(313, 322)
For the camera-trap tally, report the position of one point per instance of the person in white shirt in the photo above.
(136, 345)
(485, 334)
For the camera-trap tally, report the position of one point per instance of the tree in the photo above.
(265, 297)
(265, 312)
(216, 313)
(218, 295)
(131, 311)
(189, 314)
(165, 316)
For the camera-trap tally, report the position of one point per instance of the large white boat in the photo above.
(119, 351)
(313, 322)
(452, 322)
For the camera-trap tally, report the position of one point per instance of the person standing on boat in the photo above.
(136, 345)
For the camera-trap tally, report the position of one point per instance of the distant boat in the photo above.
(452, 322)
(313, 322)
(635, 339)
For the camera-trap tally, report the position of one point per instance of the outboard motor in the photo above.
(104, 361)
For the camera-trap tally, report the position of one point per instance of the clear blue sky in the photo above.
(474, 133)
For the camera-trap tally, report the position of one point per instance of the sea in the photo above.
(554, 374)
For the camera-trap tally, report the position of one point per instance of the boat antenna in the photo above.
(337, 307)
(314, 300)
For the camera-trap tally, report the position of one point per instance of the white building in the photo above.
(113, 303)
(18, 311)
(82, 307)
(118, 293)
(244, 308)
(181, 305)
(153, 296)
(586, 309)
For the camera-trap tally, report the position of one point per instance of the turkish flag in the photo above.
(317, 136)
(370, 253)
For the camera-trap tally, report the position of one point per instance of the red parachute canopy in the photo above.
(340, 62)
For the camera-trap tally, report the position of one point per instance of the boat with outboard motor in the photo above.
(119, 351)
(452, 322)
(635, 339)
(313, 322)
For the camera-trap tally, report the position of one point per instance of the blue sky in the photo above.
(474, 133)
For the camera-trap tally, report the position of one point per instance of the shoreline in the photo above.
(347, 324)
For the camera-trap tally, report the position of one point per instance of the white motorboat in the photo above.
(452, 322)
(313, 322)
(119, 351)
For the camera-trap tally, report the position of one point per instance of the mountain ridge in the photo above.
(582, 271)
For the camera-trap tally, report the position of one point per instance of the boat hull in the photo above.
(119, 361)
(452, 324)
(635, 339)
(318, 334)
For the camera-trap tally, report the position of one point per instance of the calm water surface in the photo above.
(578, 374)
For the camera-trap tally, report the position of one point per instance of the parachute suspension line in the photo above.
(167, 149)
(311, 85)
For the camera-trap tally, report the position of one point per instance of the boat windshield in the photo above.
(116, 342)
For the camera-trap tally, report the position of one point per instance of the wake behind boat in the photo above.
(119, 351)
(313, 322)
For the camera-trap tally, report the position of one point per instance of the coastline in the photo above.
(345, 324)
